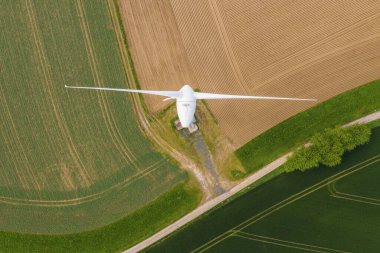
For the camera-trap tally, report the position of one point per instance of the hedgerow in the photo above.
(328, 147)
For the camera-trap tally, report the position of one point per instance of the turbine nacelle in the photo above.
(186, 104)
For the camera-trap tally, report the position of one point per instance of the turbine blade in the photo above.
(170, 94)
(202, 95)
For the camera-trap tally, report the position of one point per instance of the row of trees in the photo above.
(328, 147)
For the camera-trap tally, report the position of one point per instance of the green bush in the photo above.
(303, 159)
(360, 135)
(328, 147)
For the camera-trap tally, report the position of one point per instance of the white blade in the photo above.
(201, 95)
(170, 94)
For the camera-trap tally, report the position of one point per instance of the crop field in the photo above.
(297, 130)
(314, 49)
(323, 210)
(69, 160)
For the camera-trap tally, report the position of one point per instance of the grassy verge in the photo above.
(163, 125)
(221, 149)
(297, 130)
(115, 237)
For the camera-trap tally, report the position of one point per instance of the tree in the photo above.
(360, 135)
(333, 155)
(303, 159)
(328, 147)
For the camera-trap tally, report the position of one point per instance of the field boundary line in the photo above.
(319, 58)
(86, 198)
(287, 201)
(335, 191)
(109, 121)
(18, 147)
(358, 198)
(326, 39)
(12, 129)
(48, 83)
(312, 189)
(276, 243)
(290, 242)
(223, 34)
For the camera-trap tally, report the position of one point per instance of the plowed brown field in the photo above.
(313, 49)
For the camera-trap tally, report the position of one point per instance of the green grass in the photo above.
(296, 209)
(374, 123)
(232, 243)
(70, 160)
(163, 124)
(295, 131)
(321, 219)
(363, 183)
(115, 237)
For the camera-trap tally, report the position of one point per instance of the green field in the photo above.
(70, 160)
(322, 210)
(297, 130)
(112, 238)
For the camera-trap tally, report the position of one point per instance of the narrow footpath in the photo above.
(203, 153)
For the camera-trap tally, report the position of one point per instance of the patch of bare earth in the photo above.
(313, 49)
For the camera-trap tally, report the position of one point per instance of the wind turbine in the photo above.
(186, 99)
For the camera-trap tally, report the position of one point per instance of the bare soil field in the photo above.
(314, 49)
